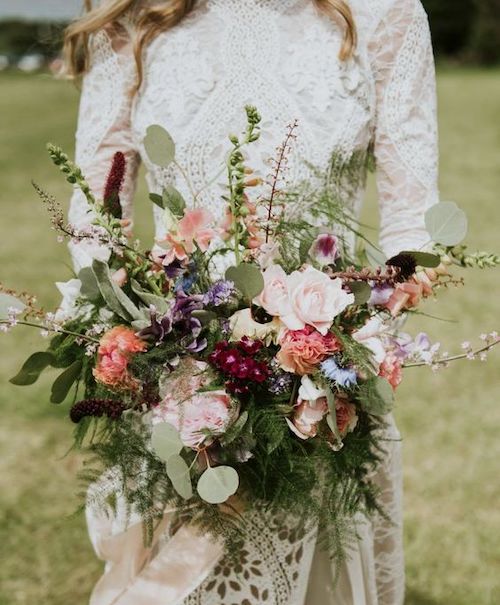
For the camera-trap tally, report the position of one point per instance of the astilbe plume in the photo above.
(114, 184)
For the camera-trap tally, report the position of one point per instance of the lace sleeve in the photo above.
(406, 131)
(103, 129)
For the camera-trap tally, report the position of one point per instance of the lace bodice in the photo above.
(282, 56)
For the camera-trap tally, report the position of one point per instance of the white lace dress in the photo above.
(282, 56)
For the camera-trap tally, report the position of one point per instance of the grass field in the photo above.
(450, 420)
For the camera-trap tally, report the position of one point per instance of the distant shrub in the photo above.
(452, 23)
(18, 38)
(485, 39)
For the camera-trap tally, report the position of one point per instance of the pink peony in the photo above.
(325, 249)
(302, 350)
(193, 228)
(347, 419)
(391, 370)
(315, 300)
(115, 350)
(191, 412)
(306, 417)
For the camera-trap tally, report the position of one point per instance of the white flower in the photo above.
(370, 335)
(70, 291)
(309, 391)
(242, 324)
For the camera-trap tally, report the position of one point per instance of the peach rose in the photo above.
(191, 412)
(405, 296)
(315, 300)
(116, 348)
(306, 417)
(302, 350)
(347, 419)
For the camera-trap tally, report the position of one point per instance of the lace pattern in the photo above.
(280, 55)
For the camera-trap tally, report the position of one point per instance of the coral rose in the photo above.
(303, 350)
(391, 370)
(115, 351)
(347, 419)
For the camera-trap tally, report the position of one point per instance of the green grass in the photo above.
(450, 421)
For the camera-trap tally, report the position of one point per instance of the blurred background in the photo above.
(450, 420)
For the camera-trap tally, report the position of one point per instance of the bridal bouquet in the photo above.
(250, 359)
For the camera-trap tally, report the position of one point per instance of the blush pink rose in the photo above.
(302, 350)
(115, 351)
(347, 419)
(306, 417)
(192, 412)
(391, 370)
(274, 297)
(315, 300)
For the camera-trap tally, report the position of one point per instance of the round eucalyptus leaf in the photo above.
(446, 223)
(165, 440)
(247, 278)
(218, 484)
(178, 473)
(159, 146)
(361, 290)
(385, 392)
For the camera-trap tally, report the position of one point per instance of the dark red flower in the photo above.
(250, 346)
(114, 184)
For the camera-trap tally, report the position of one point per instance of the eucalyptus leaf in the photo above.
(361, 291)
(159, 146)
(156, 199)
(159, 302)
(446, 223)
(235, 429)
(178, 473)
(376, 396)
(90, 287)
(8, 301)
(65, 381)
(247, 278)
(114, 296)
(32, 368)
(173, 200)
(165, 441)
(218, 484)
(423, 259)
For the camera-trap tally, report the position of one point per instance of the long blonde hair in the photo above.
(149, 21)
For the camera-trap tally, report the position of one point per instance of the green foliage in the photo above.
(247, 278)
(159, 146)
(446, 223)
(218, 484)
(63, 383)
(32, 368)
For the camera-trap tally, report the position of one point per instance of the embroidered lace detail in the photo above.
(280, 55)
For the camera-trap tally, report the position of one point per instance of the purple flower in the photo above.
(380, 295)
(159, 328)
(325, 249)
(175, 269)
(220, 293)
(280, 383)
(344, 377)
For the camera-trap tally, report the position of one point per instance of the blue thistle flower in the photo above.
(344, 377)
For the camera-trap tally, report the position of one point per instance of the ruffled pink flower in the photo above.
(193, 228)
(303, 350)
(116, 348)
(191, 412)
(306, 417)
(405, 296)
(391, 370)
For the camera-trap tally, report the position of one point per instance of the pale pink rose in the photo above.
(315, 300)
(274, 297)
(391, 370)
(116, 348)
(192, 412)
(325, 249)
(302, 350)
(347, 419)
(306, 417)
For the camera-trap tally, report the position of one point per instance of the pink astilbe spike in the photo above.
(114, 184)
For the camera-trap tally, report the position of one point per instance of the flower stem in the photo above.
(444, 360)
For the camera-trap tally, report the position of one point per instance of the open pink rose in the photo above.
(192, 412)
(306, 417)
(302, 350)
(347, 419)
(315, 300)
(274, 297)
(115, 351)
